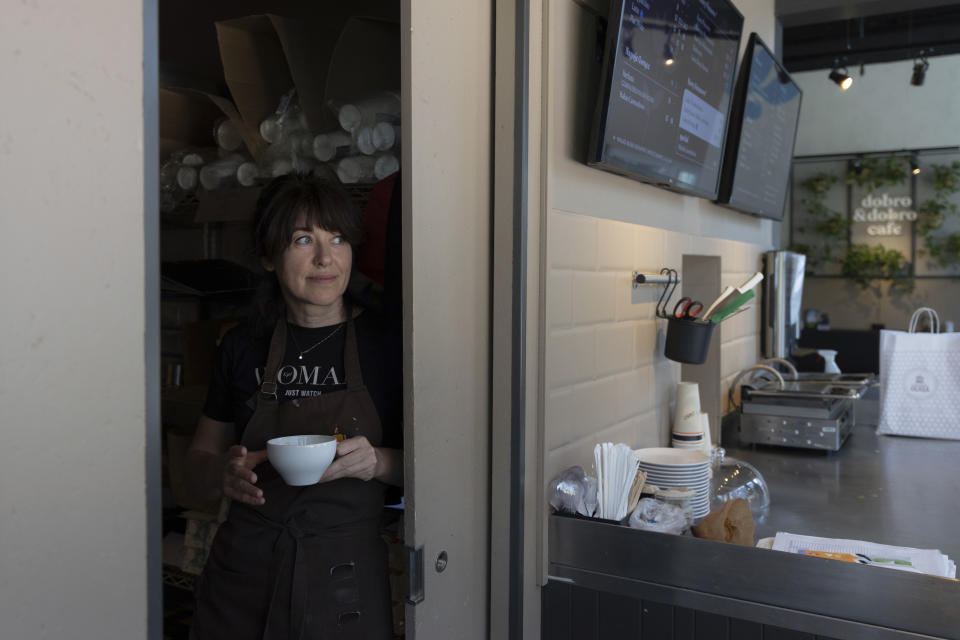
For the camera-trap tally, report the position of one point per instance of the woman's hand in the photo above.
(356, 458)
(239, 480)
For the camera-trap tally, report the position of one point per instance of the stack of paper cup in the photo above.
(688, 421)
(707, 446)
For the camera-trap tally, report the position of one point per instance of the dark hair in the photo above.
(323, 202)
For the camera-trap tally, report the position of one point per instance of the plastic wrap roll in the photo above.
(386, 164)
(327, 146)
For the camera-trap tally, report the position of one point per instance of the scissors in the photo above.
(687, 308)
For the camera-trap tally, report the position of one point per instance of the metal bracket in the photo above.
(414, 575)
(651, 278)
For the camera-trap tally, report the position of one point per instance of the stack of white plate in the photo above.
(668, 467)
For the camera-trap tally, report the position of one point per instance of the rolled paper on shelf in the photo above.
(301, 142)
(270, 129)
(220, 173)
(365, 141)
(327, 146)
(280, 167)
(193, 159)
(187, 178)
(353, 169)
(275, 127)
(386, 164)
(226, 135)
(385, 135)
(368, 111)
(247, 174)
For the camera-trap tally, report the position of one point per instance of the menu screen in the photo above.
(670, 67)
(768, 111)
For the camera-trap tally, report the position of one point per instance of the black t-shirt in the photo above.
(242, 356)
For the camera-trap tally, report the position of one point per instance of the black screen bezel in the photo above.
(598, 127)
(732, 148)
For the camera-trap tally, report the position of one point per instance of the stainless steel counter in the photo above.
(885, 489)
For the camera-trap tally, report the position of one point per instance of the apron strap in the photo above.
(289, 583)
(278, 344)
(351, 358)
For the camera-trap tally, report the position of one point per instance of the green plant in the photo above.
(931, 214)
(829, 225)
(863, 263)
(835, 226)
(944, 249)
(946, 178)
(874, 173)
(819, 183)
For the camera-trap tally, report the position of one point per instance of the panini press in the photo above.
(815, 411)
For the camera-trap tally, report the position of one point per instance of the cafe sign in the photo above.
(884, 215)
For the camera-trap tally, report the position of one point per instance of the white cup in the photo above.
(707, 440)
(301, 460)
(687, 417)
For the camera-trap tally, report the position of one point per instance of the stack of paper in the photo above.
(929, 561)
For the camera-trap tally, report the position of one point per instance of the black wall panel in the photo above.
(570, 612)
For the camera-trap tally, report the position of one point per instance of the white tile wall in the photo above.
(606, 376)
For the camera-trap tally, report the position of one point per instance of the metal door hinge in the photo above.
(414, 575)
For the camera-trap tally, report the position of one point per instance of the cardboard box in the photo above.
(255, 68)
(365, 60)
(186, 120)
(187, 117)
(330, 57)
(308, 46)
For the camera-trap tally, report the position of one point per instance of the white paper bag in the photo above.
(920, 381)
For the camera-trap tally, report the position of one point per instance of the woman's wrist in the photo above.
(389, 466)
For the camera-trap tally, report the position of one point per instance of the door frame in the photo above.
(509, 301)
(151, 290)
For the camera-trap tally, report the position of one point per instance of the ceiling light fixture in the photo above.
(919, 71)
(668, 58)
(842, 78)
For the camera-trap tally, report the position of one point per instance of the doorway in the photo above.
(445, 133)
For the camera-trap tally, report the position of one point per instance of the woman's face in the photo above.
(314, 270)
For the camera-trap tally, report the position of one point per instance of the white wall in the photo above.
(606, 378)
(881, 111)
(72, 393)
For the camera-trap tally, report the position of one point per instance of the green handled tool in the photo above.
(732, 306)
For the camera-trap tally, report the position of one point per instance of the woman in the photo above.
(300, 562)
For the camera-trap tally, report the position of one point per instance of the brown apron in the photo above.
(309, 563)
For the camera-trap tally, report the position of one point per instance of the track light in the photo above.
(919, 71)
(668, 58)
(842, 79)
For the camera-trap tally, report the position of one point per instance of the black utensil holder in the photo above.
(688, 341)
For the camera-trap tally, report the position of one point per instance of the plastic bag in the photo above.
(589, 506)
(570, 492)
(655, 515)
